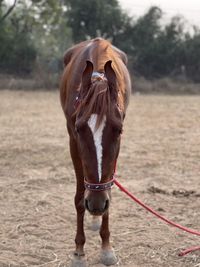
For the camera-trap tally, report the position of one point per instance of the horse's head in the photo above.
(98, 128)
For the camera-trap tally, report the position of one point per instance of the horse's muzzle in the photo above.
(97, 205)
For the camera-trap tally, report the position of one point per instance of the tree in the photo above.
(35, 31)
(7, 13)
(50, 32)
(142, 37)
(17, 53)
(169, 49)
(89, 19)
(156, 51)
(192, 55)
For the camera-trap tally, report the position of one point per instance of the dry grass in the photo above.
(43, 79)
(160, 155)
(166, 86)
(38, 81)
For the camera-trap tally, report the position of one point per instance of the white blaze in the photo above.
(97, 136)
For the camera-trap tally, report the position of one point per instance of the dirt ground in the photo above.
(159, 162)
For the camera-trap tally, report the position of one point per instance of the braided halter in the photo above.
(100, 186)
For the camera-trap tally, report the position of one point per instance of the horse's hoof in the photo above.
(108, 257)
(96, 223)
(78, 261)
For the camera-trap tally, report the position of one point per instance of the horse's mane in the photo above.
(97, 101)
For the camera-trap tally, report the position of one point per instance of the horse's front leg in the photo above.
(78, 259)
(80, 210)
(107, 256)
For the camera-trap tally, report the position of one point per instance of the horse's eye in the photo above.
(77, 130)
(79, 127)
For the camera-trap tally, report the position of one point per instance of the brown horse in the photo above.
(94, 92)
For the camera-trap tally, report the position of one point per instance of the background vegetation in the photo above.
(34, 35)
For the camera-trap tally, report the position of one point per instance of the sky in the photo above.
(189, 9)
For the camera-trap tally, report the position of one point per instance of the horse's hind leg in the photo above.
(78, 259)
(107, 256)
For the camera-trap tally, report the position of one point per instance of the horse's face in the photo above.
(99, 148)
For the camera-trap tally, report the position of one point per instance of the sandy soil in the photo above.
(159, 162)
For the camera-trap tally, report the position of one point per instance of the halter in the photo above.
(100, 186)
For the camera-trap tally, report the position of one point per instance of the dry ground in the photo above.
(159, 162)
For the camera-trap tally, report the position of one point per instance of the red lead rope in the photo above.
(183, 253)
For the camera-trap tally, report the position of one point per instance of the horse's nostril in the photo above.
(86, 204)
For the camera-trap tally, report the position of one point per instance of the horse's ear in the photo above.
(112, 79)
(110, 74)
(87, 74)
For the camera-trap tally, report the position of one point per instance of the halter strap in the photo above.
(100, 186)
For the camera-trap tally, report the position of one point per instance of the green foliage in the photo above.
(169, 56)
(89, 19)
(51, 35)
(35, 34)
(144, 36)
(192, 56)
(17, 52)
(161, 51)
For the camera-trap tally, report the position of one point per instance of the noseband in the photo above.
(100, 186)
